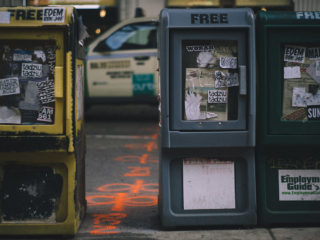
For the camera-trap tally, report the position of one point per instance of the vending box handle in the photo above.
(243, 79)
(58, 82)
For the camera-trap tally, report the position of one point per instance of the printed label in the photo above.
(4, 17)
(9, 86)
(298, 97)
(313, 112)
(292, 72)
(53, 15)
(228, 62)
(294, 54)
(45, 114)
(31, 70)
(217, 96)
(46, 91)
(299, 185)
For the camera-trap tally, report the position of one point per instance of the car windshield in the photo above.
(133, 36)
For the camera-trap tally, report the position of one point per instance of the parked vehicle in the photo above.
(121, 64)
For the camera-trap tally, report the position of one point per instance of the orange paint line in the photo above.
(119, 202)
(103, 230)
(143, 159)
(138, 172)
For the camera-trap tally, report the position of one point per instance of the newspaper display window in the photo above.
(301, 81)
(211, 79)
(27, 82)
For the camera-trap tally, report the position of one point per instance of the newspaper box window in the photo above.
(211, 79)
(301, 82)
(27, 81)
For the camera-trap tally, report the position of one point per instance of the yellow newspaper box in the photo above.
(42, 138)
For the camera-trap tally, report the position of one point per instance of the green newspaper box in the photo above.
(288, 117)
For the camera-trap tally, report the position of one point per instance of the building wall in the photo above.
(306, 5)
(150, 7)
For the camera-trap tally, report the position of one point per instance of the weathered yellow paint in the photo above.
(67, 218)
(58, 81)
(30, 17)
(69, 100)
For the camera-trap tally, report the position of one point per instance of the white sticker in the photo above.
(299, 185)
(9, 86)
(31, 70)
(208, 184)
(228, 62)
(292, 72)
(313, 53)
(45, 114)
(220, 79)
(46, 91)
(294, 54)
(53, 15)
(298, 97)
(312, 71)
(217, 96)
(4, 17)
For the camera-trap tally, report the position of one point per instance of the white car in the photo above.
(121, 64)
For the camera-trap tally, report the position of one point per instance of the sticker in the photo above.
(294, 54)
(192, 106)
(220, 79)
(31, 70)
(314, 71)
(9, 86)
(208, 184)
(46, 91)
(143, 84)
(206, 60)
(292, 72)
(40, 54)
(313, 53)
(53, 15)
(217, 96)
(313, 112)
(228, 62)
(298, 97)
(232, 79)
(22, 56)
(45, 114)
(299, 185)
(4, 17)
(10, 115)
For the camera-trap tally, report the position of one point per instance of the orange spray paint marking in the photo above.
(150, 146)
(143, 159)
(138, 172)
(120, 201)
(112, 219)
(130, 188)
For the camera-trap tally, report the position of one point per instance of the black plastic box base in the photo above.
(171, 197)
